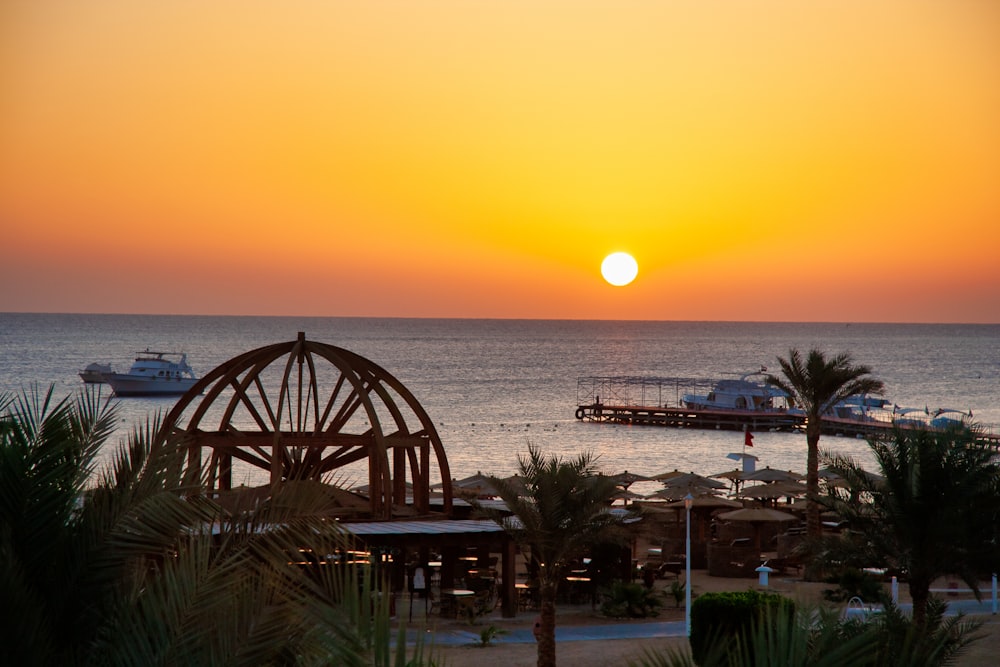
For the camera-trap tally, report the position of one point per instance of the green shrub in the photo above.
(852, 582)
(678, 591)
(630, 600)
(718, 618)
(488, 634)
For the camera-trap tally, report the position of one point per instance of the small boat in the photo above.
(153, 374)
(940, 419)
(945, 418)
(94, 373)
(739, 394)
(862, 408)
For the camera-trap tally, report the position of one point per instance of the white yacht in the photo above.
(739, 394)
(153, 374)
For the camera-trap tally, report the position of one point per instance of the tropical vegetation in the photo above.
(786, 636)
(625, 599)
(122, 563)
(934, 510)
(815, 384)
(557, 509)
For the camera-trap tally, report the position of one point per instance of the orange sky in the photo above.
(804, 161)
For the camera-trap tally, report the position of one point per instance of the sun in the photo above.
(619, 268)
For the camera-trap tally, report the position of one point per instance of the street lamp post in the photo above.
(688, 500)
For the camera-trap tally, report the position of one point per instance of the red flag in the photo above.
(747, 438)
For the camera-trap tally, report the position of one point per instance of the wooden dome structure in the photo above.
(302, 410)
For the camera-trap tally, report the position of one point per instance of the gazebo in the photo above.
(302, 410)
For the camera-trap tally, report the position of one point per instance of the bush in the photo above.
(488, 634)
(853, 582)
(629, 600)
(718, 618)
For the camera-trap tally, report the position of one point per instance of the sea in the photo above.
(492, 387)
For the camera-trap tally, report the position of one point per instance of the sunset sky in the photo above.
(779, 161)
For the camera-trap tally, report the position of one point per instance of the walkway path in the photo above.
(461, 636)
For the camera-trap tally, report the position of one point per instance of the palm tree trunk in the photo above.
(813, 527)
(547, 632)
(920, 592)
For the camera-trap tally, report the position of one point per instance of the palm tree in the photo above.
(558, 509)
(816, 385)
(127, 566)
(792, 636)
(934, 511)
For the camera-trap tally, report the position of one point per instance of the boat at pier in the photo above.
(739, 394)
(684, 403)
(941, 419)
(949, 418)
(154, 373)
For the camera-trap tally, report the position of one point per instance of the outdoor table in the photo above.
(449, 600)
(577, 586)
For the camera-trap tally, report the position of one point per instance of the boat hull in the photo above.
(130, 385)
(95, 373)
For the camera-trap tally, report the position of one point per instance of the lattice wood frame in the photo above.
(365, 413)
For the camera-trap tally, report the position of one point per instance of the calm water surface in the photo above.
(492, 386)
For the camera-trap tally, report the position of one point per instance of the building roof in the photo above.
(443, 527)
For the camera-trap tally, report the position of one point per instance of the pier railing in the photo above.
(658, 401)
(636, 390)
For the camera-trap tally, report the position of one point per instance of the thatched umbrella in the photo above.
(771, 475)
(626, 479)
(702, 506)
(735, 476)
(677, 494)
(692, 481)
(626, 495)
(773, 491)
(473, 486)
(756, 517)
(664, 476)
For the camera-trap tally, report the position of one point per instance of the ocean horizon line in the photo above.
(501, 319)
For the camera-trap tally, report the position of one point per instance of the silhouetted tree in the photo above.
(933, 512)
(127, 565)
(815, 385)
(559, 509)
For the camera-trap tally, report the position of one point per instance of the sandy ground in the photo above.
(619, 652)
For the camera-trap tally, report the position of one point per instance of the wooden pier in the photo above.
(738, 420)
(646, 401)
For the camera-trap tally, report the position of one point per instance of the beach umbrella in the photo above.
(734, 474)
(517, 482)
(690, 480)
(706, 502)
(701, 507)
(626, 479)
(835, 480)
(756, 517)
(626, 495)
(773, 491)
(671, 493)
(770, 475)
(473, 485)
